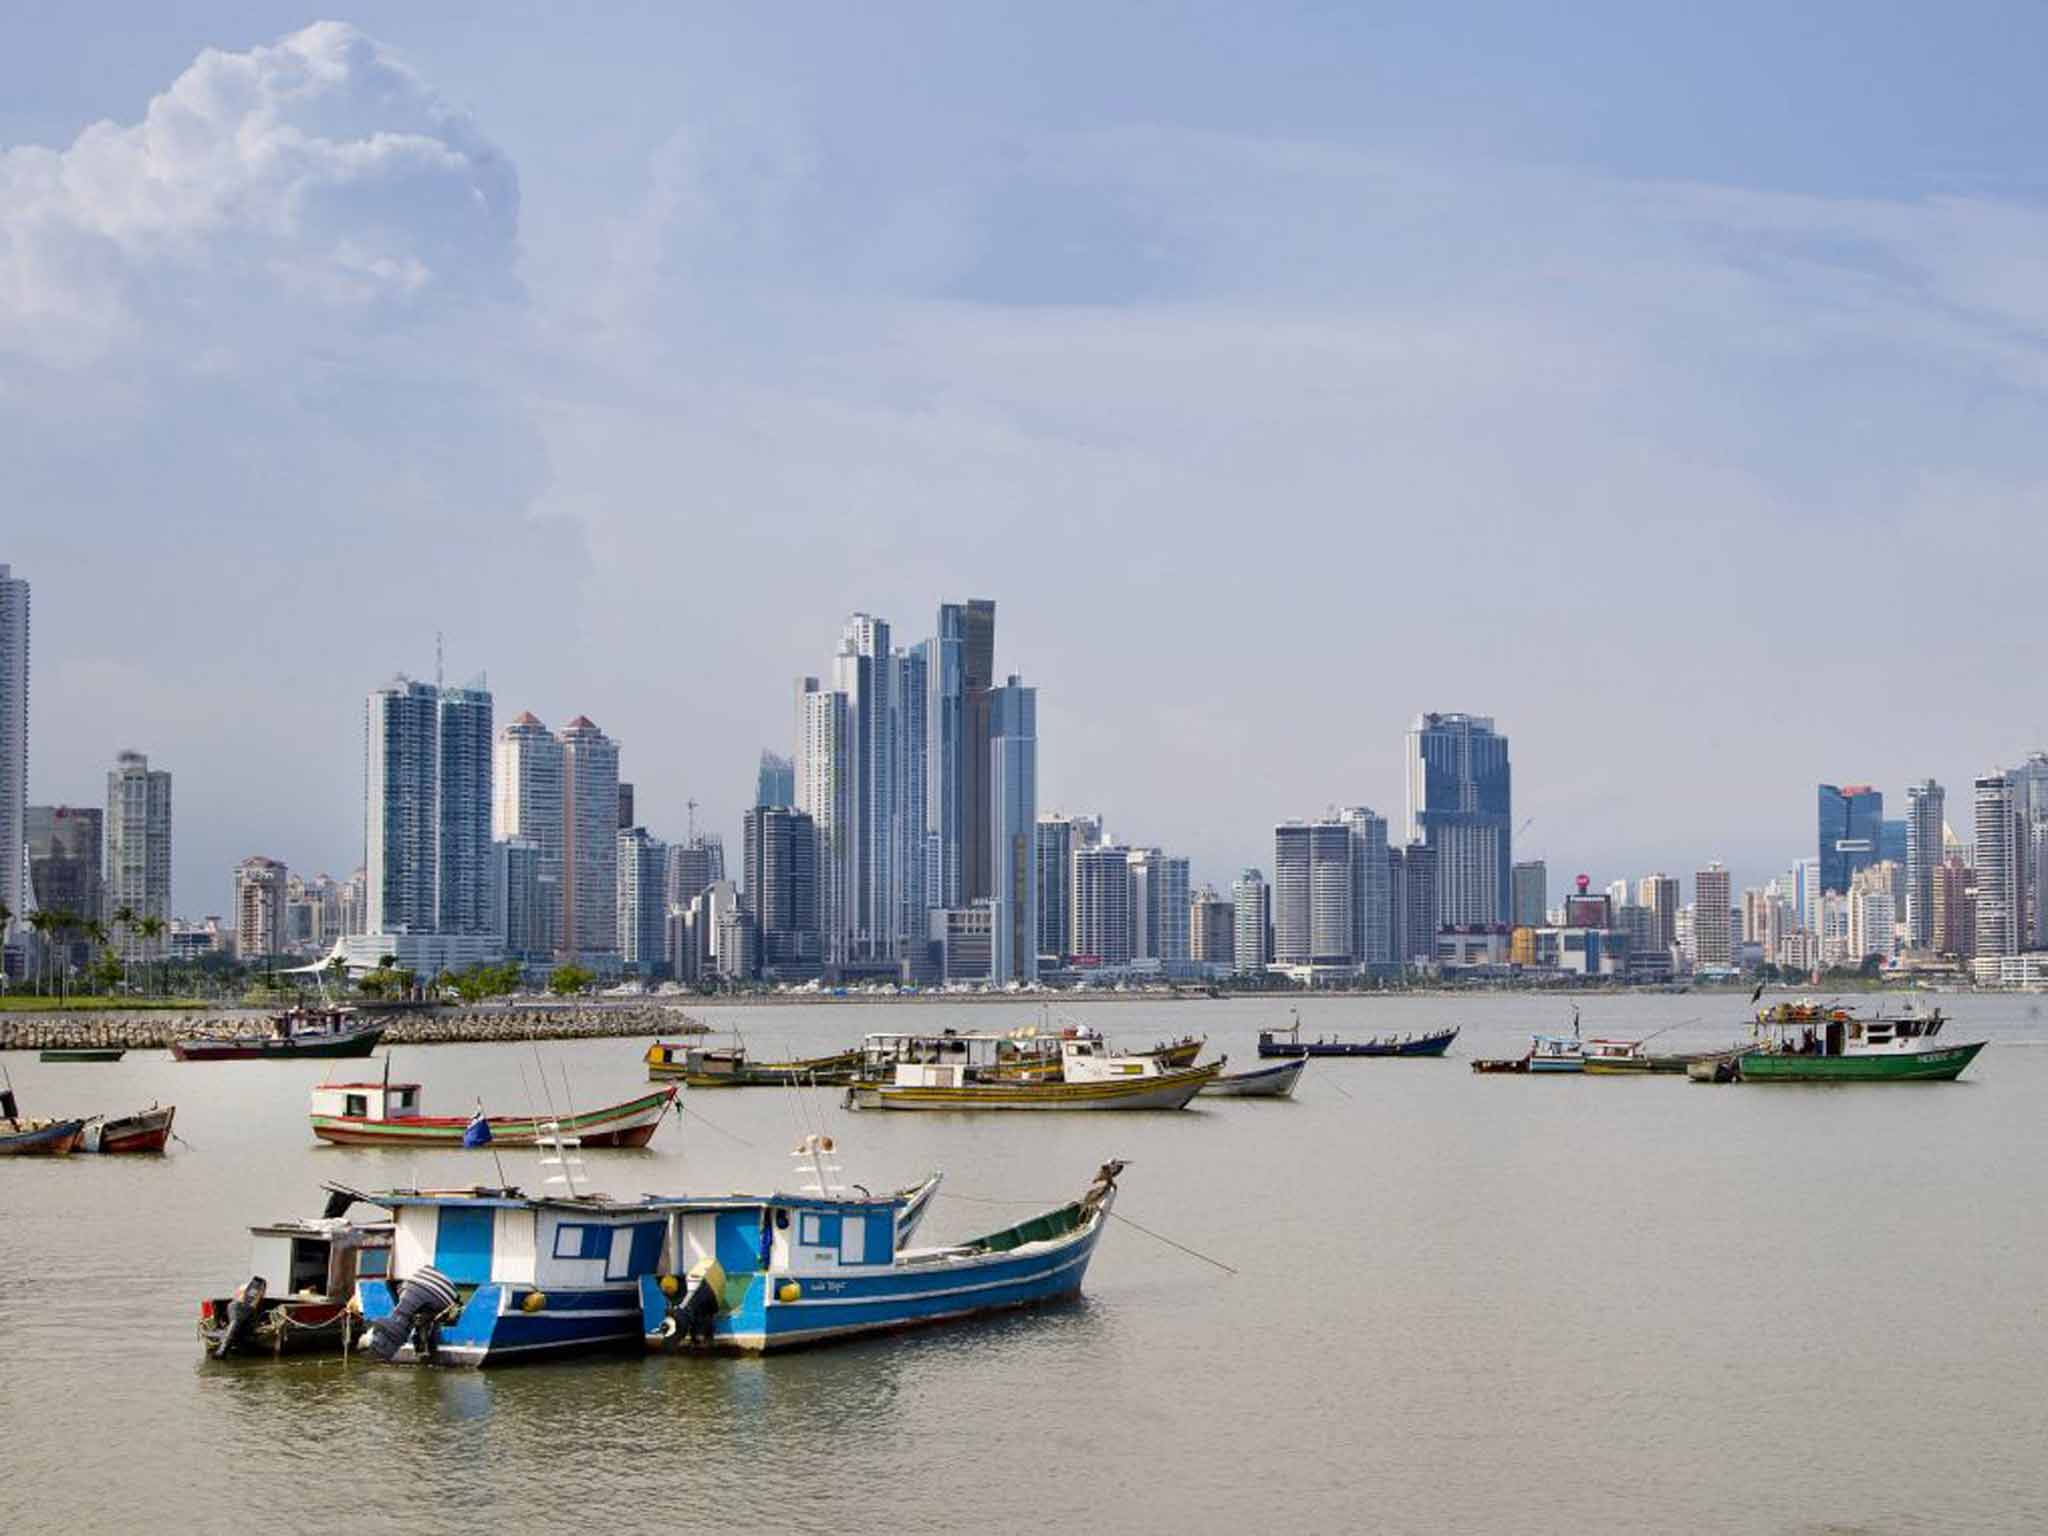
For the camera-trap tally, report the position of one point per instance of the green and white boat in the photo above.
(1804, 1043)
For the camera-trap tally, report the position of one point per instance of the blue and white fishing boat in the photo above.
(1556, 1053)
(776, 1272)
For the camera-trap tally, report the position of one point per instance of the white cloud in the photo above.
(318, 170)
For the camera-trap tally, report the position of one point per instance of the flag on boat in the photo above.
(478, 1132)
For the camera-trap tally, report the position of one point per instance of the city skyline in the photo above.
(830, 344)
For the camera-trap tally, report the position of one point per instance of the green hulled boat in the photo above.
(84, 1052)
(1806, 1043)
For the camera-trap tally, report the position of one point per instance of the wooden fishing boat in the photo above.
(23, 1137)
(1259, 1083)
(1177, 1053)
(1500, 1064)
(1805, 1044)
(388, 1115)
(147, 1130)
(1556, 1053)
(83, 1053)
(1431, 1043)
(294, 1034)
(302, 1276)
(959, 1071)
(700, 1066)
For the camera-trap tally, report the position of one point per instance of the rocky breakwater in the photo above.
(145, 1030)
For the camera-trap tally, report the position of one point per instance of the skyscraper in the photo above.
(463, 801)
(863, 673)
(945, 817)
(694, 867)
(138, 864)
(1212, 930)
(259, 908)
(1851, 824)
(1372, 912)
(64, 869)
(1531, 900)
(2030, 807)
(527, 807)
(1924, 807)
(775, 781)
(13, 746)
(590, 840)
(1013, 833)
(1102, 905)
(824, 789)
(779, 890)
(977, 680)
(523, 909)
(1412, 877)
(1055, 887)
(1313, 894)
(642, 902)
(909, 700)
(1460, 806)
(1999, 888)
(627, 818)
(1254, 913)
(1659, 895)
(1712, 917)
(401, 766)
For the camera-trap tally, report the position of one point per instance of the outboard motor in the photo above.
(8, 1109)
(426, 1295)
(248, 1301)
(698, 1313)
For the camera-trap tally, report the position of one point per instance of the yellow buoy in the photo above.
(533, 1301)
(790, 1291)
(670, 1285)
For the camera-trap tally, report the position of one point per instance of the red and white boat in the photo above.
(388, 1115)
(148, 1130)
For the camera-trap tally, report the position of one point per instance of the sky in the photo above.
(1666, 382)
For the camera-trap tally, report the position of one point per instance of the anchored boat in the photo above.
(1431, 1043)
(701, 1066)
(23, 1137)
(1260, 1083)
(966, 1071)
(147, 1130)
(1806, 1043)
(302, 1278)
(83, 1053)
(388, 1115)
(295, 1033)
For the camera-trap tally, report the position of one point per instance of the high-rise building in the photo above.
(1102, 905)
(2000, 892)
(1313, 894)
(1851, 826)
(526, 909)
(909, 701)
(138, 862)
(1412, 879)
(1531, 901)
(590, 840)
(64, 869)
(1955, 912)
(775, 781)
(977, 682)
(779, 889)
(642, 902)
(626, 816)
(1712, 942)
(259, 908)
(1252, 904)
(427, 808)
(1055, 887)
(464, 804)
(694, 867)
(1013, 833)
(1658, 894)
(527, 807)
(14, 894)
(864, 672)
(1872, 913)
(2030, 807)
(1924, 807)
(1372, 908)
(1460, 806)
(944, 817)
(825, 790)
(1212, 930)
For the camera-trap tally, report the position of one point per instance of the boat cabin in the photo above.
(313, 1023)
(1807, 1030)
(486, 1237)
(319, 1257)
(368, 1101)
(1092, 1061)
(1612, 1050)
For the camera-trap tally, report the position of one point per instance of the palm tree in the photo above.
(6, 917)
(150, 929)
(44, 922)
(95, 933)
(124, 918)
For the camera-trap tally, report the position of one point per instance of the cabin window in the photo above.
(582, 1240)
(819, 1230)
(309, 1266)
(405, 1098)
(356, 1106)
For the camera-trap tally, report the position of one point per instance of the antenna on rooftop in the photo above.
(440, 669)
(692, 804)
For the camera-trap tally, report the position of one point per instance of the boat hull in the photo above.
(83, 1053)
(1539, 1064)
(494, 1326)
(823, 1071)
(282, 1328)
(631, 1124)
(1427, 1045)
(264, 1048)
(149, 1131)
(1942, 1065)
(56, 1138)
(911, 1294)
(1263, 1083)
(1169, 1090)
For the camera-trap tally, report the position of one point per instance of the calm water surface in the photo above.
(1463, 1302)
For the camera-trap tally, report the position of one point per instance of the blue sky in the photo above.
(1665, 382)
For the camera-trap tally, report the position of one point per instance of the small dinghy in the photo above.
(147, 1130)
(1261, 1083)
(22, 1137)
(83, 1053)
